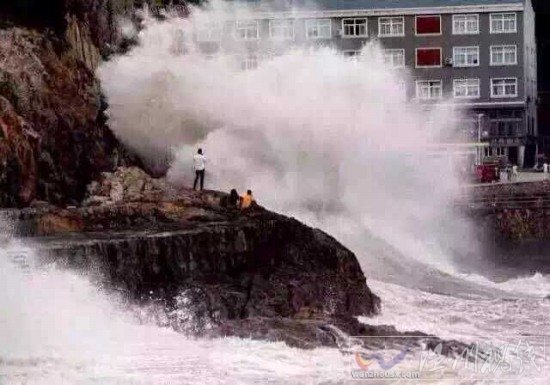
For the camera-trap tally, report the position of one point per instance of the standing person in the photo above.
(247, 200)
(200, 164)
(515, 172)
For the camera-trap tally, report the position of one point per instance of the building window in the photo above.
(465, 24)
(494, 151)
(394, 58)
(504, 88)
(465, 56)
(247, 30)
(318, 29)
(352, 54)
(506, 123)
(391, 26)
(466, 88)
(428, 25)
(503, 22)
(428, 57)
(354, 27)
(210, 32)
(502, 55)
(429, 89)
(281, 29)
(249, 62)
(400, 91)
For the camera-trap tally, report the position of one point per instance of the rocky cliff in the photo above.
(211, 267)
(53, 136)
(194, 264)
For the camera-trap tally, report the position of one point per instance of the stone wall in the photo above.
(519, 211)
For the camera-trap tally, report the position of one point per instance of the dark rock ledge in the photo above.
(208, 270)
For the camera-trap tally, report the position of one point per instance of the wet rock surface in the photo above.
(212, 271)
(54, 140)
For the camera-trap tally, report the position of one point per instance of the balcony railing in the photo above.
(507, 132)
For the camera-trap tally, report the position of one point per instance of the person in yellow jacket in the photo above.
(247, 200)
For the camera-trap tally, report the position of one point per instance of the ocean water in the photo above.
(317, 136)
(57, 327)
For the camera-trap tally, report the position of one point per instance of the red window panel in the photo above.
(428, 25)
(428, 57)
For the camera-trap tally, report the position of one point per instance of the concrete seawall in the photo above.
(516, 211)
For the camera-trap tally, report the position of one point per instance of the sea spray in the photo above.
(311, 132)
(59, 327)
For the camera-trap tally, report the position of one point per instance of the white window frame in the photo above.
(402, 87)
(493, 63)
(436, 66)
(248, 62)
(503, 14)
(418, 82)
(344, 35)
(466, 32)
(455, 54)
(428, 34)
(244, 22)
(292, 25)
(391, 23)
(493, 95)
(352, 54)
(393, 50)
(496, 151)
(317, 20)
(208, 33)
(456, 87)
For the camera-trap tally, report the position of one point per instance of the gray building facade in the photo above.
(477, 54)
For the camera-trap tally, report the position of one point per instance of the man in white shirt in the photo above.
(199, 163)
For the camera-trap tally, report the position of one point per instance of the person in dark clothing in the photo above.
(234, 198)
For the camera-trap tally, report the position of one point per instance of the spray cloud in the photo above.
(311, 132)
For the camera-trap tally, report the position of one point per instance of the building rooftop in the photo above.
(331, 5)
(385, 4)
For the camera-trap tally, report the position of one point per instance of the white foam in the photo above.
(537, 285)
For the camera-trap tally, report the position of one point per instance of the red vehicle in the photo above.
(487, 173)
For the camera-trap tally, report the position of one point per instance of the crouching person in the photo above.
(248, 200)
(231, 201)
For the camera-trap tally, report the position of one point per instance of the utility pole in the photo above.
(479, 148)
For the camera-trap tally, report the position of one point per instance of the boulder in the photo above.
(126, 184)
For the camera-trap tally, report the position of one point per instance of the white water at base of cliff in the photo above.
(57, 327)
(314, 135)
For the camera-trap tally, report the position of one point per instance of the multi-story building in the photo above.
(478, 54)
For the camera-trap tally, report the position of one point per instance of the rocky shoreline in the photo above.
(78, 195)
(206, 270)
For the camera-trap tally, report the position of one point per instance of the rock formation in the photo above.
(203, 268)
(220, 264)
(208, 270)
(54, 140)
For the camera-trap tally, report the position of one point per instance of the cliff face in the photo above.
(257, 264)
(53, 138)
(98, 17)
(211, 266)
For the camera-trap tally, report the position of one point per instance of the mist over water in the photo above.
(314, 134)
(57, 327)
